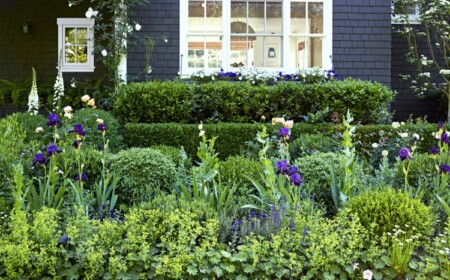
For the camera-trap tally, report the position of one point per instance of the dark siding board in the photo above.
(407, 103)
(158, 18)
(19, 52)
(362, 39)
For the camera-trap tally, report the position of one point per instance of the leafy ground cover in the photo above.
(285, 208)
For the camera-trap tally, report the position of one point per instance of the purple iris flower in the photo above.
(76, 144)
(39, 159)
(404, 153)
(444, 138)
(282, 166)
(284, 132)
(83, 177)
(445, 168)
(292, 170)
(101, 127)
(441, 124)
(53, 120)
(296, 179)
(78, 129)
(53, 149)
(434, 150)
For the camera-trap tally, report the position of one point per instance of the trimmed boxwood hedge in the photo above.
(232, 136)
(240, 102)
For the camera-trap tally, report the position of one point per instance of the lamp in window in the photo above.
(26, 26)
(271, 53)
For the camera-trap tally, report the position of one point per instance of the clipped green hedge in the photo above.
(232, 136)
(172, 101)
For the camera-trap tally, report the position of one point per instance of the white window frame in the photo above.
(327, 48)
(413, 18)
(88, 23)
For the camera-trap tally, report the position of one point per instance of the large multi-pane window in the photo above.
(274, 34)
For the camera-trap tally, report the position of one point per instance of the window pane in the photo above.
(316, 52)
(196, 15)
(259, 51)
(71, 54)
(256, 16)
(298, 17)
(82, 54)
(82, 36)
(238, 11)
(274, 23)
(405, 9)
(315, 15)
(71, 35)
(205, 51)
(214, 58)
(214, 16)
(305, 52)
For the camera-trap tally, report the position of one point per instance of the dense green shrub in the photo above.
(29, 123)
(233, 137)
(422, 170)
(235, 168)
(177, 155)
(230, 142)
(381, 210)
(88, 118)
(162, 102)
(315, 170)
(30, 250)
(154, 102)
(12, 145)
(146, 170)
(308, 144)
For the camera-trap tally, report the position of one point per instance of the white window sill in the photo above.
(77, 69)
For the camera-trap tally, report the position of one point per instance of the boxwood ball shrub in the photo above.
(88, 118)
(308, 144)
(422, 170)
(381, 210)
(235, 168)
(315, 170)
(177, 155)
(29, 123)
(146, 169)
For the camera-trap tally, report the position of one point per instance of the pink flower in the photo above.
(367, 274)
(355, 265)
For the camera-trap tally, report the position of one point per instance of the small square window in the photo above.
(75, 44)
(412, 12)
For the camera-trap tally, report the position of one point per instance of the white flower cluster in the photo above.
(58, 87)
(91, 13)
(444, 72)
(425, 61)
(33, 98)
(257, 75)
(425, 74)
